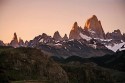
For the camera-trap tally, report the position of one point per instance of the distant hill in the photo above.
(113, 64)
(114, 61)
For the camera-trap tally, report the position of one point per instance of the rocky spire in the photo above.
(75, 26)
(15, 37)
(21, 42)
(65, 37)
(44, 34)
(1, 43)
(74, 33)
(93, 25)
(14, 41)
(57, 36)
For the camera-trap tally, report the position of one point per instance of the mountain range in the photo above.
(87, 55)
(87, 41)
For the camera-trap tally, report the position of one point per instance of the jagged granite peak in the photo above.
(15, 37)
(14, 41)
(46, 38)
(118, 32)
(123, 36)
(21, 42)
(26, 43)
(44, 35)
(42, 39)
(94, 25)
(1, 43)
(75, 26)
(65, 37)
(115, 35)
(75, 31)
(57, 36)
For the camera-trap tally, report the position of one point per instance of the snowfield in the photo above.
(85, 37)
(115, 47)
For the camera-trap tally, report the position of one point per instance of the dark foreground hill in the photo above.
(29, 64)
(17, 64)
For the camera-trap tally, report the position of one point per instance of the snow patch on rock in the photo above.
(41, 40)
(122, 48)
(58, 44)
(85, 37)
(115, 47)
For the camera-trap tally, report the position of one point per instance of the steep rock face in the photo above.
(65, 37)
(93, 28)
(17, 43)
(26, 43)
(80, 48)
(116, 35)
(74, 33)
(43, 39)
(14, 41)
(57, 36)
(1, 43)
(93, 25)
(123, 36)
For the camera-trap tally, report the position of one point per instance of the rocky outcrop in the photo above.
(65, 37)
(26, 43)
(93, 25)
(123, 36)
(1, 43)
(57, 36)
(46, 39)
(17, 43)
(40, 39)
(21, 42)
(74, 33)
(115, 35)
(14, 41)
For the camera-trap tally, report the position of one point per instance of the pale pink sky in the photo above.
(29, 18)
